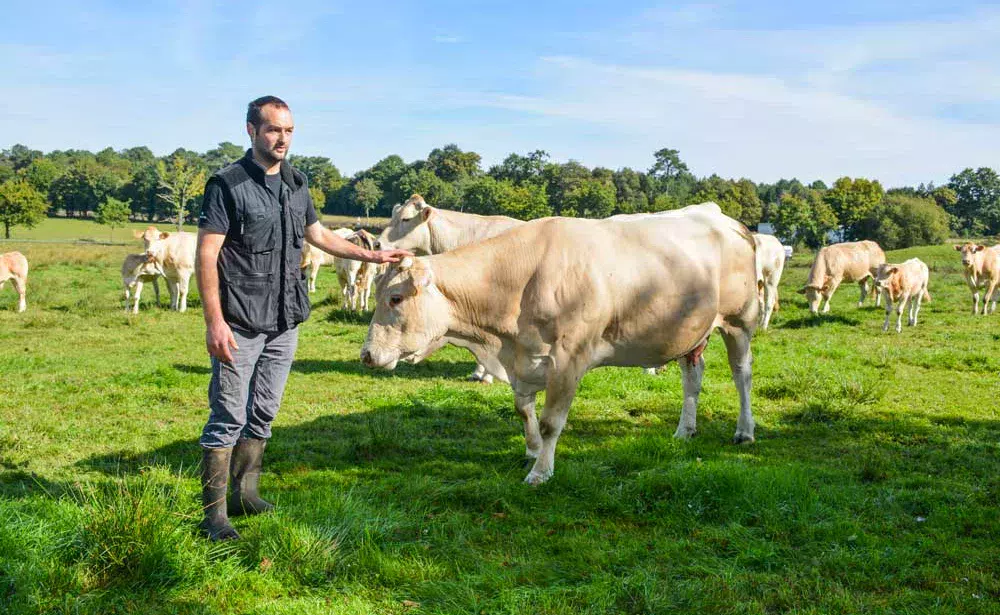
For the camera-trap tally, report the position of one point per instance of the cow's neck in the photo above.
(446, 230)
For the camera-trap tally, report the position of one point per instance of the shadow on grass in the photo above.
(426, 369)
(810, 321)
(200, 370)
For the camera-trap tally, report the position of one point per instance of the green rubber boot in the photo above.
(245, 470)
(214, 476)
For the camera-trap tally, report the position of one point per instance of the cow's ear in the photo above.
(958, 248)
(405, 264)
(164, 235)
(422, 278)
(802, 290)
(892, 270)
(427, 212)
(980, 248)
(137, 234)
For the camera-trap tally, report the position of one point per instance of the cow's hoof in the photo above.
(537, 478)
(685, 433)
(650, 371)
(742, 438)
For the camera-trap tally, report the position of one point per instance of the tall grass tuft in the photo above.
(134, 535)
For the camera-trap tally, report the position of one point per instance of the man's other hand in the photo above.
(219, 339)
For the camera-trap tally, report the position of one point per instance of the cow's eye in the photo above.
(395, 300)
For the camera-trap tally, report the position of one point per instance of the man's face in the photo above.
(274, 136)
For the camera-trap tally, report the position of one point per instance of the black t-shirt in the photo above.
(274, 184)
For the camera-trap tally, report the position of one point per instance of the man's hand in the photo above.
(219, 339)
(389, 256)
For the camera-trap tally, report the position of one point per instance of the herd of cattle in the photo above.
(540, 303)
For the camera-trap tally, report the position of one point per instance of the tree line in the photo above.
(116, 186)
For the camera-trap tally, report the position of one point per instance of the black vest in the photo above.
(261, 285)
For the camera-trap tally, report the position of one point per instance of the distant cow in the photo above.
(137, 269)
(175, 254)
(770, 262)
(14, 267)
(843, 262)
(901, 283)
(366, 274)
(314, 259)
(356, 277)
(982, 270)
(547, 301)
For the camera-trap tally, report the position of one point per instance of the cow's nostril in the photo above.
(366, 358)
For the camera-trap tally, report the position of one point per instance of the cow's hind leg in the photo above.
(863, 283)
(737, 342)
(20, 285)
(559, 394)
(692, 370)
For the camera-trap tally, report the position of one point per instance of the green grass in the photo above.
(873, 486)
(82, 230)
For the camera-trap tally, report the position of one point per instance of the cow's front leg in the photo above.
(156, 290)
(692, 370)
(741, 363)
(828, 294)
(135, 296)
(182, 292)
(888, 313)
(559, 396)
(900, 306)
(864, 291)
(480, 375)
(173, 285)
(525, 405)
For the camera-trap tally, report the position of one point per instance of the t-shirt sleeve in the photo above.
(311, 216)
(214, 215)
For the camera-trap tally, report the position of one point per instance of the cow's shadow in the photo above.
(810, 321)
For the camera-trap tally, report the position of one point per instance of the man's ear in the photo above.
(250, 131)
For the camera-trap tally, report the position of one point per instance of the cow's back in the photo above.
(13, 264)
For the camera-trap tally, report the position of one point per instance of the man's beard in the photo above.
(267, 156)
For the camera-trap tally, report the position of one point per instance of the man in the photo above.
(256, 214)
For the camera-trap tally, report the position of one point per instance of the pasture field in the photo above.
(873, 486)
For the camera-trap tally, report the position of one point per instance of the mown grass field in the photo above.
(873, 486)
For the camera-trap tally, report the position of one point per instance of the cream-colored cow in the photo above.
(314, 258)
(548, 300)
(982, 270)
(843, 262)
(770, 264)
(175, 254)
(367, 272)
(901, 283)
(14, 267)
(136, 270)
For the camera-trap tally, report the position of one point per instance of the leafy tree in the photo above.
(20, 156)
(629, 192)
(670, 175)
(180, 183)
(562, 179)
(819, 184)
(451, 164)
(224, 154)
(387, 173)
(520, 169)
(83, 187)
(367, 194)
(143, 192)
(806, 219)
(113, 213)
(41, 173)
(591, 198)
(976, 209)
(903, 220)
(20, 205)
(317, 196)
(420, 180)
(852, 200)
(491, 197)
(720, 191)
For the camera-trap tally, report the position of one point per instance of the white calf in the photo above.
(137, 269)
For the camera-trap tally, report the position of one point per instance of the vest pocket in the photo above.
(247, 301)
(259, 230)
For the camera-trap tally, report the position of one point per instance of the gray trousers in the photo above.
(244, 395)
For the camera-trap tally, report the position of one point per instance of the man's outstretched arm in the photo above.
(332, 243)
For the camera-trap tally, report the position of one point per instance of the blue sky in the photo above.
(905, 92)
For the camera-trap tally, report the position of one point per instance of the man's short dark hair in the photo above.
(254, 115)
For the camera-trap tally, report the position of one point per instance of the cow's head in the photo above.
(886, 278)
(814, 293)
(411, 316)
(149, 235)
(408, 229)
(149, 266)
(969, 251)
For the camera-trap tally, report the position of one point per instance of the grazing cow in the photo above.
(175, 255)
(137, 269)
(548, 300)
(770, 262)
(982, 270)
(900, 283)
(14, 267)
(314, 258)
(851, 262)
(422, 229)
